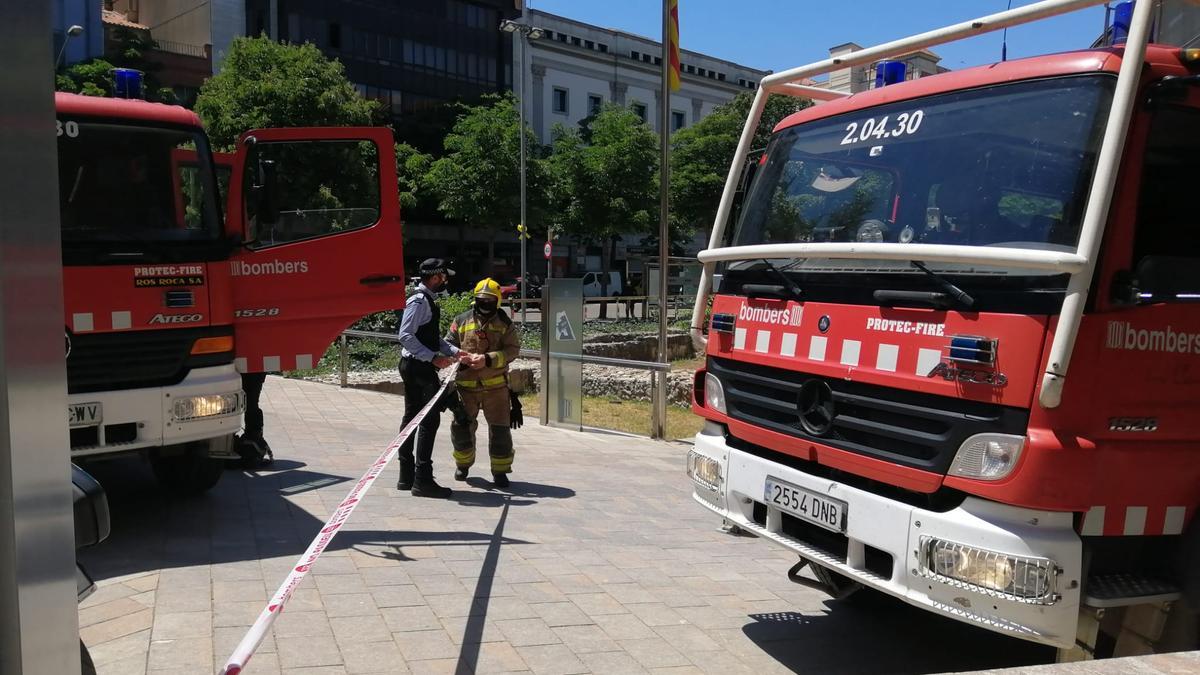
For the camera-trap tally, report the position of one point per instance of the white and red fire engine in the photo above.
(170, 293)
(954, 346)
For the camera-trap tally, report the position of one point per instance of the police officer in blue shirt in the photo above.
(424, 353)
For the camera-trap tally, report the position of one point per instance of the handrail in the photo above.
(537, 354)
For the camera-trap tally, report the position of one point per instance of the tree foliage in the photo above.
(477, 181)
(608, 186)
(412, 166)
(701, 156)
(263, 83)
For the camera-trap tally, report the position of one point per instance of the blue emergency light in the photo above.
(888, 72)
(1122, 16)
(127, 83)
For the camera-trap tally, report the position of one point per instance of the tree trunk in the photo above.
(606, 256)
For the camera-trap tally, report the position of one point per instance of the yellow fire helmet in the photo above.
(488, 287)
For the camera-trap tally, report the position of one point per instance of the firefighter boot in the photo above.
(461, 472)
(462, 438)
(406, 475)
(425, 486)
(500, 450)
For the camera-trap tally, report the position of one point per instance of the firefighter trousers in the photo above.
(496, 409)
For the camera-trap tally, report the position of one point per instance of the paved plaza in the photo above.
(595, 560)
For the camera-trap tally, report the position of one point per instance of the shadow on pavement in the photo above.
(468, 654)
(520, 489)
(248, 516)
(872, 632)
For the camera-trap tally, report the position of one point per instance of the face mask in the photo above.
(485, 307)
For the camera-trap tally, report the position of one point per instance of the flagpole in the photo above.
(664, 250)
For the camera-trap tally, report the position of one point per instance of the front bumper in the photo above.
(876, 525)
(136, 419)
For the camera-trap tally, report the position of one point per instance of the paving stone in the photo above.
(551, 660)
(294, 624)
(584, 639)
(194, 654)
(624, 627)
(99, 633)
(349, 604)
(376, 657)
(403, 619)
(528, 632)
(397, 596)
(653, 653)
(303, 652)
(614, 663)
(561, 614)
(358, 630)
(425, 645)
(171, 625)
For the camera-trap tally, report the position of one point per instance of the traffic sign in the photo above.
(546, 250)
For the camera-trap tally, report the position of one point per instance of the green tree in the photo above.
(412, 165)
(605, 179)
(477, 181)
(701, 155)
(263, 83)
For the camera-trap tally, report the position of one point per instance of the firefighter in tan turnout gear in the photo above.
(488, 335)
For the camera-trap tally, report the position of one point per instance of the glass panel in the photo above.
(322, 188)
(563, 344)
(127, 183)
(1001, 166)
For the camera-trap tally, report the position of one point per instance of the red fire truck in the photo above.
(170, 293)
(911, 271)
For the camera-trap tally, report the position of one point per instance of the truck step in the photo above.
(1122, 590)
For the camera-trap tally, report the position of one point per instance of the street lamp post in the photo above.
(74, 31)
(526, 33)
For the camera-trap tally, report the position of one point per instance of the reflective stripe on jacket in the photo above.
(497, 338)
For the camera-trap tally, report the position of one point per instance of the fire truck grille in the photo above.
(136, 359)
(912, 429)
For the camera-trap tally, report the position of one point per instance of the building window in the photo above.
(677, 120)
(595, 101)
(589, 44)
(549, 35)
(721, 76)
(563, 38)
(560, 100)
(639, 109)
(634, 54)
(577, 42)
(603, 48)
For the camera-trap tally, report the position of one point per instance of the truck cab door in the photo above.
(318, 213)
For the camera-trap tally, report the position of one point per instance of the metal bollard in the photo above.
(343, 360)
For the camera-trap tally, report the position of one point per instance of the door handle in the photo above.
(381, 279)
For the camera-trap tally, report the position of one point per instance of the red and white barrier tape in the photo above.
(254, 636)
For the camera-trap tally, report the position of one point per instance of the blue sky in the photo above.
(781, 34)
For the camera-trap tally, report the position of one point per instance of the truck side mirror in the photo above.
(92, 524)
(266, 191)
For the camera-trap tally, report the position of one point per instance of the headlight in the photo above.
(704, 470)
(871, 231)
(987, 456)
(1020, 578)
(214, 405)
(714, 393)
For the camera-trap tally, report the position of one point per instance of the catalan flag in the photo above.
(674, 44)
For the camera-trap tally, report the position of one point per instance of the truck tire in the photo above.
(187, 469)
(86, 667)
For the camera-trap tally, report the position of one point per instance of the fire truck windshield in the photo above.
(141, 188)
(1006, 165)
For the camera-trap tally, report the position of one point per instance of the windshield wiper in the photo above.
(788, 285)
(954, 291)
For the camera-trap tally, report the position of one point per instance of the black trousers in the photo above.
(420, 385)
(252, 384)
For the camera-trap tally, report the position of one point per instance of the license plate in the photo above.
(84, 414)
(816, 509)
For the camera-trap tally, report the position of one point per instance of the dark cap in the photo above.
(432, 266)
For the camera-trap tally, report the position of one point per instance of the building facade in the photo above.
(411, 55)
(83, 13)
(575, 68)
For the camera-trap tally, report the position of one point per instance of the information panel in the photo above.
(562, 347)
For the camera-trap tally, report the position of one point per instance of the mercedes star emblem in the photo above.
(823, 324)
(815, 405)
